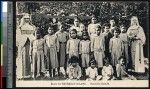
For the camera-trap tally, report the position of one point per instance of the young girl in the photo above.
(85, 45)
(73, 70)
(73, 44)
(62, 37)
(92, 27)
(121, 70)
(115, 47)
(125, 41)
(107, 35)
(78, 26)
(91, 71)
(107, 71)
(98, 47)
(52, 49)
(112, 26)
(37, 56)
(82, 29)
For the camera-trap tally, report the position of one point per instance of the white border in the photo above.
(68, 83)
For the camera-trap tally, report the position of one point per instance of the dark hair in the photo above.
(73, 30)
(122, 57)
(99, 27)
(94, 16)
(37, 31)
(51, 26)
(112, 18)
(92, 61)
(122, 25)
(73, 59)
(77, 18)
(117, 30)
(85, 33)
(106, 25)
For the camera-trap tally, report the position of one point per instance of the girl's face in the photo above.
(116, 33)
(73, 34)
(85, 37)
(94, 20)
(82, 27)
(134, 21)
(106, 29)
(112, 22)
(50, 31)
(76, 22)
(61, 27)
(93, 65)
(122, 61)
(122, 29)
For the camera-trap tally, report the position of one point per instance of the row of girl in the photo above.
(89, 53)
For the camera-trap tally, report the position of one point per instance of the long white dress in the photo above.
(137, 47)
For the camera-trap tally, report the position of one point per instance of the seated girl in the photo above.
(121, 70)
(107, 71)
(73, 69)
(91, 71)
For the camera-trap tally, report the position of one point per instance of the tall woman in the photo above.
(137, 40)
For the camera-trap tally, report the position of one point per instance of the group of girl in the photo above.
(100, 52)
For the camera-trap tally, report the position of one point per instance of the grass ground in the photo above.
(139, 76)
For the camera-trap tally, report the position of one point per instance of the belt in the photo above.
(62, 42)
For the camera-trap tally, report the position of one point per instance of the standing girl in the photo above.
(98, 47)
(52, 49)
(85, 50)
(73, 44)
(62, 37)
(115, 47)
(124, 37)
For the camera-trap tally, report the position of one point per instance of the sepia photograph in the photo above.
(82, 44)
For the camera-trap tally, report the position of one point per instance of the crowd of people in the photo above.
(97, 52)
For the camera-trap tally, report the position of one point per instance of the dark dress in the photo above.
(62, 39)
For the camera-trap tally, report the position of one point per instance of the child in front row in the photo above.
(122, 71)
(91, 71)
(73, 69)
(107, 71)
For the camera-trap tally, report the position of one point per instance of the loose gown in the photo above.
(62, 39)
(137, 47)
(52, 49)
